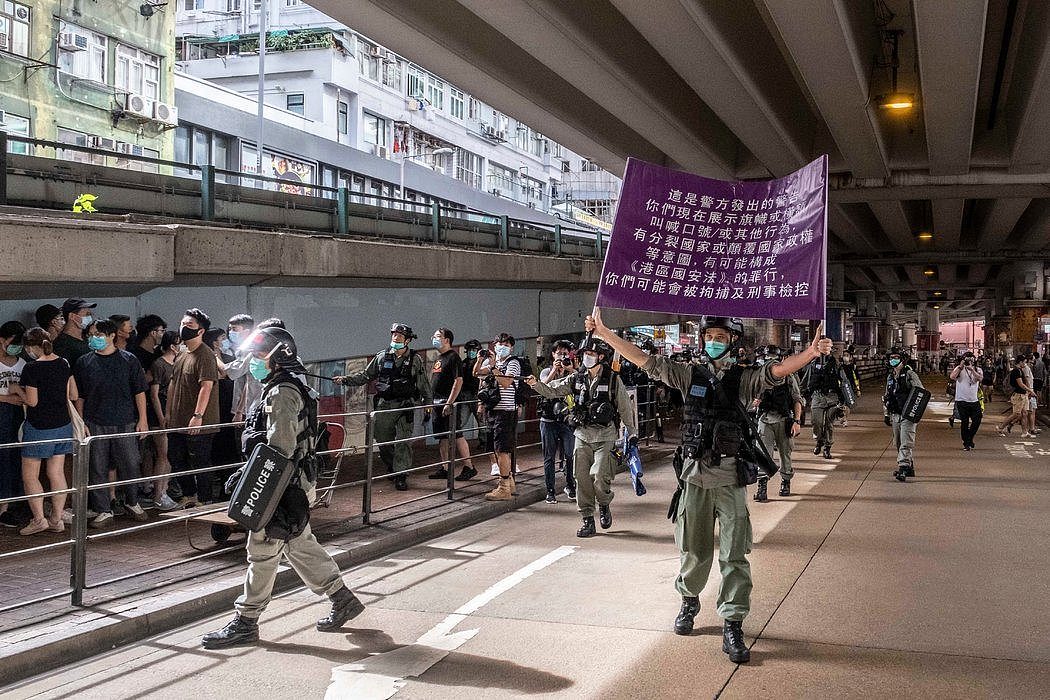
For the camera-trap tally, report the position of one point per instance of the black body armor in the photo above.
(395, 383)
(825, 379)
(709, 417)
(778, 401)
(598, 410)
(897, 390)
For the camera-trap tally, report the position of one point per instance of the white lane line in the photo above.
(380, 676)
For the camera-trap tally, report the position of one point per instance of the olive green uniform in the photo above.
(395, 426)
(711, 493)
(283, 405)
(775, 432)
(594, 464)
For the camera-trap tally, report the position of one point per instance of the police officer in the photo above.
(849, 374)
(825, 393)
(285, 418)
(556, 435)
(599, 403)
(401, 383)
(710, 488)
(900, 380)
(779, 416)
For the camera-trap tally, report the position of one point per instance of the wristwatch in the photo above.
(198, 415)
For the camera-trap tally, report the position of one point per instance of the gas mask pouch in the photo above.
(726, 438)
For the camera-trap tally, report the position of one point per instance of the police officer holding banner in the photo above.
(401, 383)
(283, 420)
(599, 403)
(714, 445)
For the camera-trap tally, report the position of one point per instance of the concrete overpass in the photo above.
(757, 88)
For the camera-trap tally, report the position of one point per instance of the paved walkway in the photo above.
(864, 587)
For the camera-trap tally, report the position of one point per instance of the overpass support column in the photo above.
(928, 338)
(887, 331)
(910, 330)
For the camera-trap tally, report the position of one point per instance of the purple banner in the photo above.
(691, 245)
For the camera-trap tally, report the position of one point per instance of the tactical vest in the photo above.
(705, 406)
(395, 383)
(599, 409)
(552, 409)
(825, 379)
(256, 424)
(897, 390)
(777, 400)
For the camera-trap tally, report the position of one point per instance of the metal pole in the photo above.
(208, 192)
(262, 85)
(366, 499)
(557, 239)
(450, 464)
(78, 557)
(3, 167)
(504, 232)
(342, 214)
(401, 179)
(435, 222)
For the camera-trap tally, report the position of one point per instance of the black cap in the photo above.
(403, 329)
(74, 304)
(46, 314)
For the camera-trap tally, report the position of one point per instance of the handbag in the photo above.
(80, 432)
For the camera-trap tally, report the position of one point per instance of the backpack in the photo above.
(522, 391)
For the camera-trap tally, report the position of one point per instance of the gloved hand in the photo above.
(632, 441)
(886, 419)
(231, 483)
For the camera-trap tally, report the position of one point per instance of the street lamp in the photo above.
(435, 152)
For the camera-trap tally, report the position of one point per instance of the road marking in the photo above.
(380, 676)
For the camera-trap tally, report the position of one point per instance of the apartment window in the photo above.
(473, 109)
(536, 146)
(416, 83)
(469, 168)
(522, 137)
(375, 130)
(89, 63)
(392, 73)
(79, 138)
(369, 61)
(233, 5)
(342, 117)
(194, 4)
(455, 106)
(14, 26)
(137, 72)
(436, 92)
(296, 102)
(293, 3)
(566, 166)
(589, 167)
(19, 126)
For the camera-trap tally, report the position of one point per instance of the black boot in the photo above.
(605, 517)
(401, 483)
(733, 642)
(785, 487)
(345, 606)
(683, 624)
(760, 494)
(901, 474)
(238, 632)
(816, 450)
(827, 451)
(587, 529)
(909, 470)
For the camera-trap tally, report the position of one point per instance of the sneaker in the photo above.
(1027, 435)
(56, 526)
(1036, 431)
(441, 473)
(101, 520)
(137, 513)
(35, 526)
(467, 473)
(188, 502)
(551, 498)
(9, 519)
(570, 491)
(117, 507)
(495, 470)
(165, 503)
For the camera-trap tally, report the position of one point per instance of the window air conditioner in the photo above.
(105, 144)
(72, 41)
(375, 51)
(379, 151)
(488, 130)
(138, 105)
(3, 117)
(389, 57)
(4, 44)
(165, 113)
(501, 135)
(123, 147)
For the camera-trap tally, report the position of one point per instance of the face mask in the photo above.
(14, 350)
(471, 354)
(97, 342)
(235, 338)
(397, 346)
(86, 321)
(436, 342)
(894, 362)
(258, 368)
(502, 351)
(227, 346)
(590, 361)
(187, 333)
(715, 349)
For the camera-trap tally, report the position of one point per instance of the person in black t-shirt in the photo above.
(112, 401)
(446, 383)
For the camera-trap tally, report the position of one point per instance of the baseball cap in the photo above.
(74, 304)
(46, 314)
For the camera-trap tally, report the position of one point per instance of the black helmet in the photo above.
(773, 351)
(733, 325)
(403, 330)
(472, 344)
(279, 347)
(593, 344)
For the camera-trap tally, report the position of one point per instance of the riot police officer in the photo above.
(401, 383)
(900, 380)
(825, 394)
(599, 404)
(716, 395)
(285, 418)
(779, 416)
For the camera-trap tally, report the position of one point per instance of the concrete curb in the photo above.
(189, 604)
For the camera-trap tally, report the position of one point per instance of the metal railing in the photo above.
(80, 539)
(340, 207)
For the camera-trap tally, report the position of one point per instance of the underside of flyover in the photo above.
(757, 88)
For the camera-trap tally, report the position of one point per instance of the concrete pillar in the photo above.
(1029, 281)
(1024, 324)
(910, 329)
(865, 303)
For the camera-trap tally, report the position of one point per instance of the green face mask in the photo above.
(715, 349)
(258, 369)
(895, 362)
(397, 346)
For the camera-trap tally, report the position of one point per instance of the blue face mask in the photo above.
(436, 342)
(86, 321)
(471, 354)
(14, 350)
(894, 362)
(502, 351)
(715, 349)
(97, 342)
(258, 368)
(235, 338)
(227, 346)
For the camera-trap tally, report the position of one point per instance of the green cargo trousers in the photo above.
(903, 439)
(394, 426)
(776, 434)
(825, 410)
(305, 554)
(695, 536)
(593, 466)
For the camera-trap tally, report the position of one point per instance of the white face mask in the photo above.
(590, 360)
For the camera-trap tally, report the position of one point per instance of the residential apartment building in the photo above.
(95, 74)
(349, 90)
